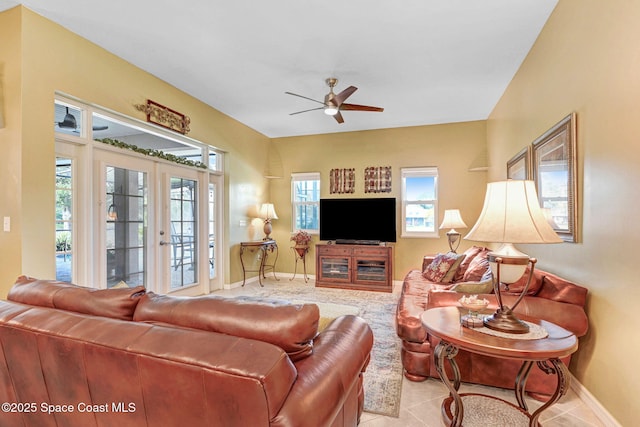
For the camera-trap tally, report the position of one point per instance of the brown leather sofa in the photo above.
(77, 356)
(549, 297)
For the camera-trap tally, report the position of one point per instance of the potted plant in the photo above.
(301, 239)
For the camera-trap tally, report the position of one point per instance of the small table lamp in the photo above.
(511, 214)
(452, 220)
(267, 212)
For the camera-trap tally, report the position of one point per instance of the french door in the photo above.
(153, 226)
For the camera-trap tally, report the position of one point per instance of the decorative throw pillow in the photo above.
(448, 278)
(439, 267)
(477, 268)
(469, 254)
(484, 286)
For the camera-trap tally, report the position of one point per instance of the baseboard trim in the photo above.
(590, 401)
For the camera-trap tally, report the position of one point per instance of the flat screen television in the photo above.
(366, 219)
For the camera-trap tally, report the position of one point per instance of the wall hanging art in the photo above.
(164, 116)
(377, 179)
(555, 174)
(342, 180)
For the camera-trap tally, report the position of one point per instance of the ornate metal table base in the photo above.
(265, 247)
(445, 350)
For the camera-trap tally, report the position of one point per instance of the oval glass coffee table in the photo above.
(546, 352)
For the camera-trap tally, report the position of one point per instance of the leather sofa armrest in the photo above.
(340, 353)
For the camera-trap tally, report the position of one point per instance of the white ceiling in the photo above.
(424, 61)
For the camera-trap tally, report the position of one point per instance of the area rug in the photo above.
(383, 378)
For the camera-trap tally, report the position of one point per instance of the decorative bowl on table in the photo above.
(473, 303)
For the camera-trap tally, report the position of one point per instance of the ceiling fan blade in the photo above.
(304, 111)
(342, 96)
(338, 117)
(300, 96)
(356, 107)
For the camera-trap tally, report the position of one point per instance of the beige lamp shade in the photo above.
(452, 219)
(512, 214)
(267, 211)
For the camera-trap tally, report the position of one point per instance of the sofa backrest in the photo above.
(146, 375)
(113, 303)
(291, 327)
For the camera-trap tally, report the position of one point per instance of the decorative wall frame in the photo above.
(164, 116)
(377, 179)
(554, 172)
(342, 181)
(519, 166)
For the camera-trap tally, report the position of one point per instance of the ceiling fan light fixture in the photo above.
(69, 121)
(331, 110)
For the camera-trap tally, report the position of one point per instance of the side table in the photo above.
(444, 323)
(300, 254)
(265, 248)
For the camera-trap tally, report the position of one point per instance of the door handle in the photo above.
(162, 243)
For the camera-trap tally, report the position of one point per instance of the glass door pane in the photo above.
(126, 226)
(212, 230)
(64, 224)
(184, 237)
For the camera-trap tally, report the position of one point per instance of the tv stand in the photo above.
(361, 267)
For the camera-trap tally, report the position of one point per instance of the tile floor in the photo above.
(420, 407)
(420, 401)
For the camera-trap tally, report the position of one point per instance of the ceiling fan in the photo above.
(69, 122)
(334, 103)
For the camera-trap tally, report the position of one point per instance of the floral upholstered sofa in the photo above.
(445, 278)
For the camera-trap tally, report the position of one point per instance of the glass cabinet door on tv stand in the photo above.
(334, 266)
(371, 270)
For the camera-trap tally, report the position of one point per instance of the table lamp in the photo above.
(267, 212)
(511, 214)
(452, 220)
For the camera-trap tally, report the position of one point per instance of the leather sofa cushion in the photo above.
(292, 327)
(174, 376)
(558, 289)
(113, 303)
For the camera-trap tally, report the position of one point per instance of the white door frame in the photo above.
(158, 182)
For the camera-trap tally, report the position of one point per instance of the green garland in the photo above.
(153, 153)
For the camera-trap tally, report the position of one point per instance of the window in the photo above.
(305, 199)
(420, 202)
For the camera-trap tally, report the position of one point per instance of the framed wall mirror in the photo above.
(519, 166)
(554, 172)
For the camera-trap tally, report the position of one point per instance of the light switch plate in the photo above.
(7, 223)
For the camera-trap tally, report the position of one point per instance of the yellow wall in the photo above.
(587, 60)
(10, 136)
(47, 58)
(450, 147)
